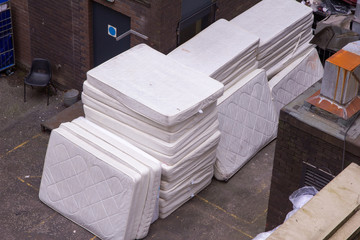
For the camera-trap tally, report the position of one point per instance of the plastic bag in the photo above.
(298, 198)
(301, 196)
(329, 7)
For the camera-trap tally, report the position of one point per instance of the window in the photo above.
(195, 16)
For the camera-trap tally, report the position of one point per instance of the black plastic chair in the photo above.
(39, 76)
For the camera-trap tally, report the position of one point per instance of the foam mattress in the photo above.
(247, 121)
(217, 48)
(154, 85)
(159, 133)
(168, 148)
(98, 95)
(89, 188)
(294, 36)
(167, 153)
(205, 161)
(271, 20)
(287, 48)
(190, 161)
(171, 200)
(295, 79)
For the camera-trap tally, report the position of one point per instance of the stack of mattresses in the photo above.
(295, 79)
(105, 185)
(222, 51)
(164, 108)
(248, 122)
(284, 29)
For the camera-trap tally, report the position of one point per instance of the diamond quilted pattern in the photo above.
(295, 79)
(84, 189)
(248, 123)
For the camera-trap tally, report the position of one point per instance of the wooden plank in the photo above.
(67, 115)
(349, 230)
(325, 212)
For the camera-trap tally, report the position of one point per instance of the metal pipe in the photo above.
(131, 32)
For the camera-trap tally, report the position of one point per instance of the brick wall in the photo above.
(230, 9)
(298, 142)
(61, 31)
(52, 37)
(21, 28)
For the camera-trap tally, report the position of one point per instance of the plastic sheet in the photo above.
(329, 7)
(298, 198)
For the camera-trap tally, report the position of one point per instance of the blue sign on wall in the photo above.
(112, 31)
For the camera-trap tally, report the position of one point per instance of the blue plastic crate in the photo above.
(7, 54)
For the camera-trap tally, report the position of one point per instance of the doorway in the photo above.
(107, 24)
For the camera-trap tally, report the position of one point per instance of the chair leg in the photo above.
(24, 92)
(54, 88)
(48, 93)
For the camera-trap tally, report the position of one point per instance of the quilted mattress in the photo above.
(170, 137)
(295, 79)
(115, 147)
(220, 50)
(168, 153)
(271, 20)
(118, 142)
(90, 188)
(247, 119)
(143, 216)
(154, 85)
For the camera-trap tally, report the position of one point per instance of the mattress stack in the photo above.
(100, 181)
(284, 29)
(164, 108)
(222, 51)
(248, 122)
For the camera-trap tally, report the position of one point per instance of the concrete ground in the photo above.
(233, 210)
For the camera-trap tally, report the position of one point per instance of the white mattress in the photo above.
(146, 166)
(88, 187)
(190, 161)
(283, 63)
(287, 48)
(174, 198)
(353, 47)
(247, 121)
(170, 153)
(149, 140)
(154, 85)
(239, 73)
(293, 37)
(148, 128)
(141, 156)
(205, 161)
(217, 48)
(273, 19)
(295, 79)
(98, 95)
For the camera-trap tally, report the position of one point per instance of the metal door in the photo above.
(107, 24)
